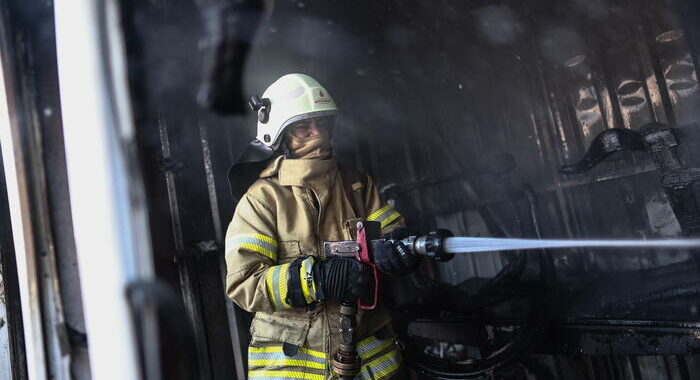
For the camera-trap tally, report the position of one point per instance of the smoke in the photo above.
(597, 9)
(498, 24)
(559, 44)
(310, 36)
(302, 43)
(400, 36)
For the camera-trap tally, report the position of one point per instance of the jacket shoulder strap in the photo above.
(354, 182)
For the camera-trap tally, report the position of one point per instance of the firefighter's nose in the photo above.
(314, 129)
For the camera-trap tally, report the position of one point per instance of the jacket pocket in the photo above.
(268, 328)
(289, 250)
(276, 349)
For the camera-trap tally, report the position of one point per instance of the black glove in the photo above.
(344, 279)
(391, 256)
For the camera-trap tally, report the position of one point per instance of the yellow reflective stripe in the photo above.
(276, 284)
(274, 349)
(378, 213)
(269, 285)
(385, 365)
(259, 243)
(371, 346)
(390, 219)
(304, 285)
(317, 354)
(285, 362)
(266, 239)
(284, 375)
(282, 284)
(313, 283)
(299, 359)
(256, 248)
(384, 215)
(306, 277)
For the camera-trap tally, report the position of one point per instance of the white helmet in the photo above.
(291, 98)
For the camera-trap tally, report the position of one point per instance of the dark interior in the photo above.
(534, 118)
(465, 113)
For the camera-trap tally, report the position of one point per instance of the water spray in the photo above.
(442, 246)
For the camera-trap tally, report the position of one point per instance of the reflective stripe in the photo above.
(383, 367)
(395, 215)
(378, 213)
(310, 275)
(312, 361)
(306, 362)
(308, 286)
(301, 359)
(276, 349)
(276, 283)
(384, 215)
(283, 375)
(284, 363)
(371, 346)
(259, 243)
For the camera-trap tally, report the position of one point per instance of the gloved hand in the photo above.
(344, 279)
(391, 256)
(340, 279)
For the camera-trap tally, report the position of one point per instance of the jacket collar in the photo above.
(301, 172)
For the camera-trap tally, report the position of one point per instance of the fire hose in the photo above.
(441, 245)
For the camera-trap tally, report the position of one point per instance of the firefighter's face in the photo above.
(310, 127)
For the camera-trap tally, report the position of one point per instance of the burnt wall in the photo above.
(453, 107)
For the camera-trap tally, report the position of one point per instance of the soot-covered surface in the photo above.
(456, 105)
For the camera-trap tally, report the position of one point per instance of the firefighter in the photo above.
(300, 197)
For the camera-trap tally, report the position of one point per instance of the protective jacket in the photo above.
(293, 207)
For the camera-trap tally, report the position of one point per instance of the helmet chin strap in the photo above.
(283, 149)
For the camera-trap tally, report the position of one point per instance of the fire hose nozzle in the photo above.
(430, 245)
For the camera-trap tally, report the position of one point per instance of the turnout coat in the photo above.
(289, 212)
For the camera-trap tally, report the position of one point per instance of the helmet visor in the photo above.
(310, 126)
